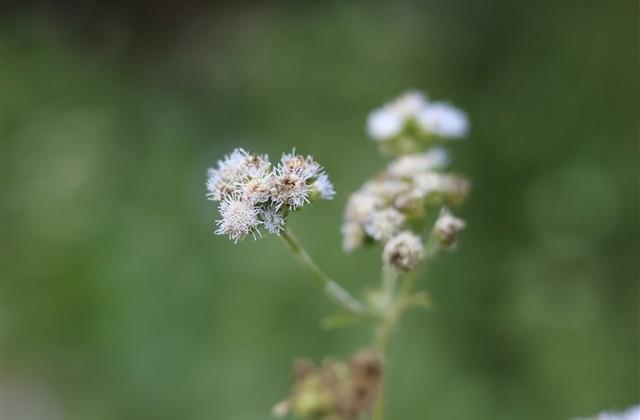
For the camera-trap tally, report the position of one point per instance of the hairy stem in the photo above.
(333, 290)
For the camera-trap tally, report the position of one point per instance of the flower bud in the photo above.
(447, 228)
(403, 252)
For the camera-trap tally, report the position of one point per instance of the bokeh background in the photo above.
(118, 302)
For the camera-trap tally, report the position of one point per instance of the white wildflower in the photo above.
(353, 236)
(444, 120)
(295, 178)
(389, 120)
(235, 169)
(382, 225)
(410, 202)
(256, 166)
(437, 118)
(403, 251)
(360, 205)
(239, 218)
(386, 189)
(411, 165)
(429, 182)
(256, 189)
(383, 124)
(323, 187)
(306, 168)
(454, 188)
(253, 194)
(217, 186)
(409, 104)
(272, 220)
(290, 189)
(447, 228)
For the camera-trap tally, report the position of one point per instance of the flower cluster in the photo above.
(385, 207)
(411, 123)
(389, 207)
(334, 391)
(253, 194)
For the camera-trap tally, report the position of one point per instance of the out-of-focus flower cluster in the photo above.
(412, 123)
(392, 206)
(254, 195)
(334, 391)
(387, 207)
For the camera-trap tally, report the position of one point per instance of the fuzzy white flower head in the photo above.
(360, 205)
(256, 189)
(233, 171)
(386, 189)
(410, 202)
(429, 182)
(444, 120)
(323, 187)
(409, 104)
(403, 252)
(382, 225)
(383, 124)
(239, 218)
(296, 178)
(256, 166)
(291, 190)
(389, 120)
(447, 228)
(254, 195)
(411, 165)
(298, 164)
(272, 220)
(221, 180)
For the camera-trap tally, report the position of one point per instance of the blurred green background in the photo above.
(120, 303)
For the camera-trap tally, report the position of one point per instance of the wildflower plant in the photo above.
(406, 208)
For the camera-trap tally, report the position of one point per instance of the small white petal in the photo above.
(383, 124)
(411, 165)
(444, 120)
(324, 187)
(409, 104)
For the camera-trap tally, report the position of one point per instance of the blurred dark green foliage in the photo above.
(119, 302)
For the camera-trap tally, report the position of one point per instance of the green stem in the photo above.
(395, 309)
(383, 336)
(333, 290)
(382, 343)
(396, 305)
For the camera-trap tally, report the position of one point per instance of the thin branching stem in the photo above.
(332, 289)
